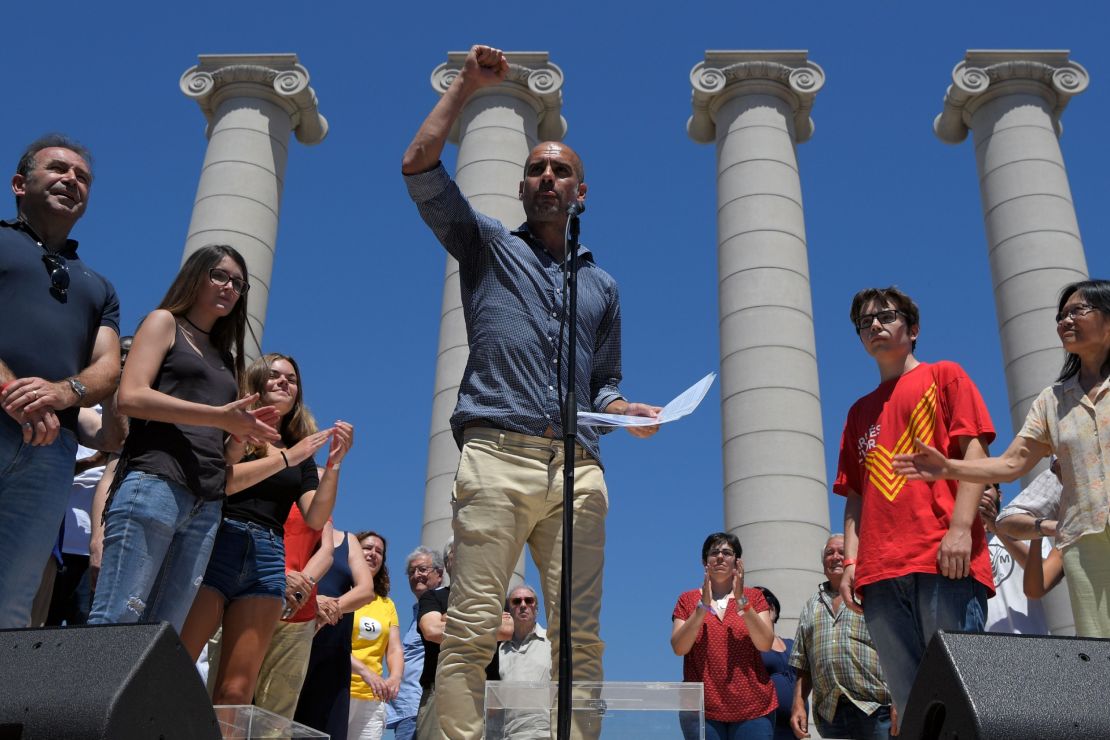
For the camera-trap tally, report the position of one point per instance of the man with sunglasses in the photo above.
(507, 419)
(916, 558)
(526, 656)
(59, 351)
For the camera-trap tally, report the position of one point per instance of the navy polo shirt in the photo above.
(46, 334)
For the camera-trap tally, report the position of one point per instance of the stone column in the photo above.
(1012, 102)
(251, 102)
(498, 127)
(755, 105)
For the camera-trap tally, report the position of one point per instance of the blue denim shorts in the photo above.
(247, 560)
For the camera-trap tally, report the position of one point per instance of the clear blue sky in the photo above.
(356, 287)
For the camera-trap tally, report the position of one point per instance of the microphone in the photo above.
(577, 208)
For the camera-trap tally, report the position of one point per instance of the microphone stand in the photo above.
(570, 435)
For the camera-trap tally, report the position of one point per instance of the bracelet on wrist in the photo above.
(283, 457)
(707, 607)
(848, 561)
(332, 467)
(1037, 525)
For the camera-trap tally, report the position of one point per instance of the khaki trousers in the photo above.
(509, 491)
(427, 721)
(1087, 567)
(284, 667)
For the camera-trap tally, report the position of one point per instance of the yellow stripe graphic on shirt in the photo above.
(922, 423)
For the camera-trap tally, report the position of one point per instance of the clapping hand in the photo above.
(241, 421)
(343, 437)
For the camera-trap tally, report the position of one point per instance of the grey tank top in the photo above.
(191, 456)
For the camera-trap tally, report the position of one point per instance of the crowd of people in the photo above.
(191, 492)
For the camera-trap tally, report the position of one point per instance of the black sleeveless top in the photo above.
(192, 456)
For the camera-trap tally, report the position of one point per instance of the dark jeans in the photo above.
(904, 613)
(72, 597)
(760, 728)
(851, 722)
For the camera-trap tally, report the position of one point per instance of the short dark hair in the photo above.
(1097, 294)
(772, 601)
(890, 296)
(718, 538)
(49, 141)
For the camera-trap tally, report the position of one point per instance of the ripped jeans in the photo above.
(157, 540)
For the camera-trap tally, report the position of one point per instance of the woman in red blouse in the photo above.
(719, 630)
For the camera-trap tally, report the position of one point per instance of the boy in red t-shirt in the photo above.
(916, 558)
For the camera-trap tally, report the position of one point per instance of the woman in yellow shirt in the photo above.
(375, 636)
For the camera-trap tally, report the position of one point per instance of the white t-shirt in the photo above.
(78, 521)
(1010, 610)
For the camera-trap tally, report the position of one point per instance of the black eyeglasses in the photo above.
(59, 271)
(223, 277)
(526, 600)
(1074, 312)
(723, 552)
(888, 316)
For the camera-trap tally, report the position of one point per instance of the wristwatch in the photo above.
(743, 603)
(78, 388)
(1037, 525)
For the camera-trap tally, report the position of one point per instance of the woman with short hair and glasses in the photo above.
(179, 388)
(245, 586)
(720, 630)
(1070, 419)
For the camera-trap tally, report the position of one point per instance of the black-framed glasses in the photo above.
(724, 552)
(886, 316)
(1074, 312)
(526, 600)
(59, 271)
(223, 277)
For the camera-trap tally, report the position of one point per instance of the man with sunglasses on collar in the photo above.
(59, 352)
(507, 423)
(915, 553)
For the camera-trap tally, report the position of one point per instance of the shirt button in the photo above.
(550, 387)
(554, 314)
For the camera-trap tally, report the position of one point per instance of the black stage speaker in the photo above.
(108, 682)
(1008, 687)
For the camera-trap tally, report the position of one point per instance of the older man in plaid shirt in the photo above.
(834, 656)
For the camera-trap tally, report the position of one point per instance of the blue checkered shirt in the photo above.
(512, 299)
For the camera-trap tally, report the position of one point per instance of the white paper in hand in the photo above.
(683, 405)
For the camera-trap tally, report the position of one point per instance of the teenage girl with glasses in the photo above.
(180, 389)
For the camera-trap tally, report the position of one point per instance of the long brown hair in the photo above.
(381, 580)
(298, 423)
(228, 332)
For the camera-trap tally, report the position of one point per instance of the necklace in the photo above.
(202, 331)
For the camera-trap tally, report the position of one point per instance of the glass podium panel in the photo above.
(609, 709)
(247, 722)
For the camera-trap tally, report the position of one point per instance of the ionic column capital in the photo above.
(984, 75)
(277, 78)
(724, 75)
(532, 77)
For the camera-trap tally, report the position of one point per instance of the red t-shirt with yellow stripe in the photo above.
(903, 521)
